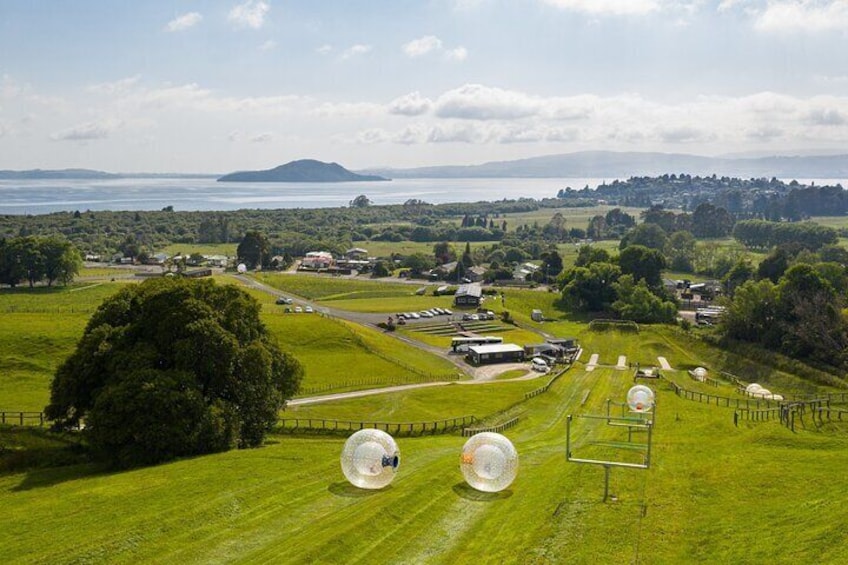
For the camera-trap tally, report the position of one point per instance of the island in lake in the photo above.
(304, 170)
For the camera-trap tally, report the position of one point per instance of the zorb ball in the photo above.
(370, 459)
(489, 462)
(753, 388)
(640, 398)
(242, 268)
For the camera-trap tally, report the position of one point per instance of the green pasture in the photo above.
(104, 272)
(425, 404)
(714, 493)
(227, 249)
(328, 288)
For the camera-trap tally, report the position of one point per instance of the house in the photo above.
(217, 260)
(317, 260)
(356, 253)
(158, 259)
(547, 350)
(468, 296)
(523, 272)
(495, 353)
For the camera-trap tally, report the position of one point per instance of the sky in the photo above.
(223, 85)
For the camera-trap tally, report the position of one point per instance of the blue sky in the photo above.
(216, 86)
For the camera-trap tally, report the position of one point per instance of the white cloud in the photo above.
(347, 110)
(184, 22)
(429, 44)
(86, 132)
(119, 86)
(422, 46)
(457, 54)
(803, 15)
(250, 13)
(478, 102)
(325, 49)
(412, 104)
(356, 50)
(682, 134)
(607, 7)
(825, 117)
(265, 137)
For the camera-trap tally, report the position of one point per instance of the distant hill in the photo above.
(305, 170)
(41, 174)
(607, 164)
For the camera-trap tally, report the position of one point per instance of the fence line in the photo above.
(22, 418)
(705, 379)
(544, 388)
(725, 401)
(466, 432)
(295, 425)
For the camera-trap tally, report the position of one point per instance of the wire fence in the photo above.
(330, 426)
(467, 432)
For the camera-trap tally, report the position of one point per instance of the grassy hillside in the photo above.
(758, 493)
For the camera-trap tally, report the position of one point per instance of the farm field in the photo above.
(756, 493)
(288, 502)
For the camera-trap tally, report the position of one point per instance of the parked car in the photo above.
(466, 317)
(415, 315)
(447, 312)
(426, 314)
(283, 300)
(298, 309)
(539, 364)
(308, 310)
(288, 310)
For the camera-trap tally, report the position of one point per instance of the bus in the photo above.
(461, 344)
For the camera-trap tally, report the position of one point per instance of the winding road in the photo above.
(479, 375)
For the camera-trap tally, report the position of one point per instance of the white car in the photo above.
(426, 314)
(539, 364)
(308, 310)
(298, 309)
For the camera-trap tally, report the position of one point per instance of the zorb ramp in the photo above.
(370, 459)
(489, 462)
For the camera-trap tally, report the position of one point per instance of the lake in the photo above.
(45, 196)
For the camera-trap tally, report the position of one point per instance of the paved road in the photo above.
(479, 375)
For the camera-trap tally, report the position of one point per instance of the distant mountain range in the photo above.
(610, 164)
(305, 170)
(39, 174)
(585, 164)
(88, 174)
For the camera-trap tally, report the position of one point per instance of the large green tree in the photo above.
(254, 250)
(173, 367)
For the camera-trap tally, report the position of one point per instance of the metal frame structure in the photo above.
(632, 424)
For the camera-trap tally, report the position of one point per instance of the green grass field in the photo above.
(757, 493)
(753, 494)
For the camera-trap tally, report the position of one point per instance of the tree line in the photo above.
(34, 259)
(759, 198)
